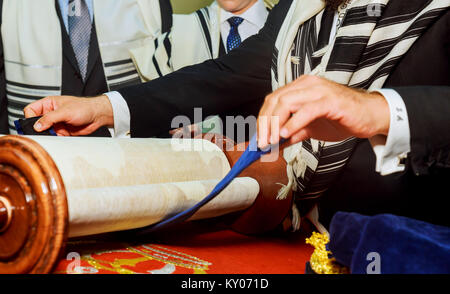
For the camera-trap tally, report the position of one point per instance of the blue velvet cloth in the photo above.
(401, 245)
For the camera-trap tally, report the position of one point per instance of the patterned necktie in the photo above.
(234, 40)
(80, 27)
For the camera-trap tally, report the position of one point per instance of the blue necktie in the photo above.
(234, 39)
(251, 154)
(80, 28)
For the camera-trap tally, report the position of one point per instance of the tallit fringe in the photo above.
(285, 189)
(296, 218)
(313, 217)
(297, 166)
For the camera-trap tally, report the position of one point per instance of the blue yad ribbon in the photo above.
(20, 131)
(18, 127)
(251, 154)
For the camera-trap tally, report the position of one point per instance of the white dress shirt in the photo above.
(389, 150)
(254, 19)
(392, 149)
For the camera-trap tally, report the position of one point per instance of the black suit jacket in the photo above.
(238, 82)
(72, 83)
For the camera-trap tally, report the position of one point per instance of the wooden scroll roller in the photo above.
(52, 189)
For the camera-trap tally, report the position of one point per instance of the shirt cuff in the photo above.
(391, 151)
(121, 114)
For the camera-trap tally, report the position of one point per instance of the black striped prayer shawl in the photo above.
(372, 36)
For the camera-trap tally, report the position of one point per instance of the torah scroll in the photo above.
(122, 184)
(55, 188)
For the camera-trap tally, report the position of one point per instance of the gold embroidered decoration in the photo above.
(321, 263)
(128, 259)
(149, 252)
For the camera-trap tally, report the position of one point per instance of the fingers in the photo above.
(66, 130)
(50, 119)
(263, 123)
(282, 103)
(268, 124)
(186, 132)
(290, 103)
(81, 130)
(37, 108)
(276, 116)
(300, 136)
(71, 116)
(61, 131)
(30, 112)
(175, 131)
(308, 113)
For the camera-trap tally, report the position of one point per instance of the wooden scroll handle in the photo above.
(33, 208)
(5, 213)
(267, 212)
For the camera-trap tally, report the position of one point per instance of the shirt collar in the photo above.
(257, 14)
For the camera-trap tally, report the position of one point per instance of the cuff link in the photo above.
(402, 159)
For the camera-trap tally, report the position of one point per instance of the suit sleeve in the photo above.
(234, 84)
(429, 120)
(4, 127)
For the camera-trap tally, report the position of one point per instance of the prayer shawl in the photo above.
(194, 38)
(372, 36)
(32, 42)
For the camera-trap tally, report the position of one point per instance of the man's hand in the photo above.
(313, 107)
(71, 116)
(187, 132)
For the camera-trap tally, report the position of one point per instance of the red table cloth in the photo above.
(193, 248)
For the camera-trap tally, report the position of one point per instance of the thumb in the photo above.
(50, 119)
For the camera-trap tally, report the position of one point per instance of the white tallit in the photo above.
(33, 54)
